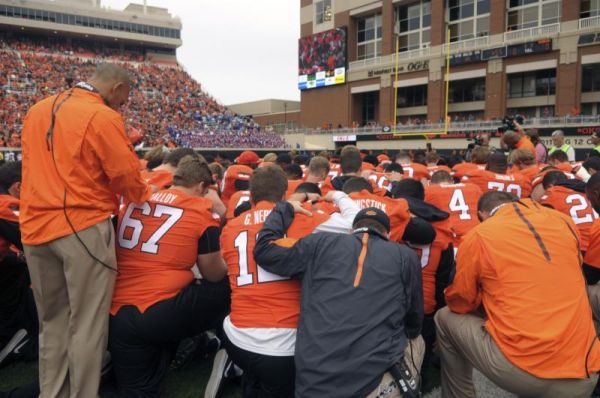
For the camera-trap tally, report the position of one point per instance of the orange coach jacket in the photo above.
(94, 162)
(524, 265)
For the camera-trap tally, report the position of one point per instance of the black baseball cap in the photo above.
(373, 213)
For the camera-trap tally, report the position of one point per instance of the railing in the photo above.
(364, 62)
(417, 53)
(588, 23)
(454, 126)
(404, 55)
(545, 31)
(532, 33)
(465, 45)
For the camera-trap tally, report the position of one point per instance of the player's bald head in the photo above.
(592, 190)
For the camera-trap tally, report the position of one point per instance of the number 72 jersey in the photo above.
(515, 184)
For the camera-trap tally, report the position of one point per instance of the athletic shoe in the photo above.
(14, 348)
(216, 375)
(201, 346)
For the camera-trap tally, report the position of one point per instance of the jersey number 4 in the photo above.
(458, 204)
(151, 245)
(246, 277)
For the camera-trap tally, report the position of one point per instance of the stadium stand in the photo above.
(172, 110)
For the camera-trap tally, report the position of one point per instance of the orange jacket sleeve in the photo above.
(119, 161)
(463, 295)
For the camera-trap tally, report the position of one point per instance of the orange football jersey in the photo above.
(157, 246)
(460, 201)
(380, 180)
(430, 256)
(566, 167)
(236, 199)
(529, 173)
(161, 179)
(539, 178)
(574, 204)
(236, 172)
(334, 170)
(489, 181)
(396, 209)
(260, 299)
(292, 185)
(462, 169)
(416, 171)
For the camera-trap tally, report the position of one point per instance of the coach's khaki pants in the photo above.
(73, 294)
(594, 296)
(464, 343)
(413, 357)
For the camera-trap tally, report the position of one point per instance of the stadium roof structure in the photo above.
(137, 23)
(265, 107)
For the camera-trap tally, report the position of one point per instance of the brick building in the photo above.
(533, 57)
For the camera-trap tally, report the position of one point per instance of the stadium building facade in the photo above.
(150, 30)
(537, 58)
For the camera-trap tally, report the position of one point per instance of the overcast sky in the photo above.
(239, 50)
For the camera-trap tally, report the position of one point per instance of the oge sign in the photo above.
(411, 67)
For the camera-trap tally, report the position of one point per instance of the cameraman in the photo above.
(514, 136)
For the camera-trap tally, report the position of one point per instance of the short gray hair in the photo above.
(111, 73)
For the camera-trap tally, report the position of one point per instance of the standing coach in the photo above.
(76, 160)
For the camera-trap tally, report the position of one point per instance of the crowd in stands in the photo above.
(172, 109)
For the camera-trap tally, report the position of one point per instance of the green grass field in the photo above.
(190, 382)
(186, 383)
